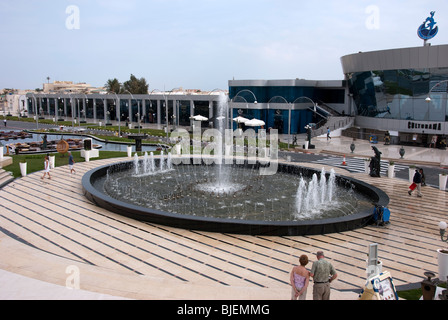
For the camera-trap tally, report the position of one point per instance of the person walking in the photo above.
(328, 133)
(417, 180)
(323, 274)
(71, 163)
(46, 168)
(299, 279)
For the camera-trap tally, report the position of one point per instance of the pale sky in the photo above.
(200, 44)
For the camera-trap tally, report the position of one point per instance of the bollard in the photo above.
(428, 286)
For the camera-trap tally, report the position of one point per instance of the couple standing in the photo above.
(322, 272)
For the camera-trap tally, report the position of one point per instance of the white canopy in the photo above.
(240, 119)
(254, 123)
(199, 118)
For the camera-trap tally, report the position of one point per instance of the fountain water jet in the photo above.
(313, 195)
(179, 197)
(232, 198)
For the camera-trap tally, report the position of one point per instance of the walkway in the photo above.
(363, 149)
(51, 234)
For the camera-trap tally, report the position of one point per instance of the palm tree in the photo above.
(113, 85)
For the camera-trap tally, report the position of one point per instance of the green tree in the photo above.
(136, 86)
(113, 85)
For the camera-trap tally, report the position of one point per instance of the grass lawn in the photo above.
(35, 162)
(415, 294)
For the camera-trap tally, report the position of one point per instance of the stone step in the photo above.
(5, 178)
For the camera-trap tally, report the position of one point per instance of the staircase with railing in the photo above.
(333, 123)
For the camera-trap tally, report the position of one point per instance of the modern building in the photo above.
(13, 103)
(401, 90)
(131, 108)
(287, 105)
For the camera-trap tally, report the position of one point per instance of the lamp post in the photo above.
(157, 110)
(83, 111)
(119, 112)
(289, 114)
(60, 114)
(442, 258)
(138, 108)
(166, 111)
(224, 114)
(428, 98)
(71, 107)
(238, 95)
(442, 227)
(36, 111)
(314, 110)
(247, 90)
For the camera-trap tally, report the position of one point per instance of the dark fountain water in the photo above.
(233, 198)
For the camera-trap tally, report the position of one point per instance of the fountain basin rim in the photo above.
(231, 225)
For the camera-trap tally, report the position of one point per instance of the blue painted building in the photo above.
(286, 105)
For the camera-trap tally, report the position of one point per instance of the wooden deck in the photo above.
(48, 228)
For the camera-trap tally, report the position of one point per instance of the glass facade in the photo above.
(278, 100)
(401, 94)
(151, 111)
(183, 112)
(289, 93)
(275, 105)
(277, 119)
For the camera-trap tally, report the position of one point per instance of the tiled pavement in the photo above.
(52, 237)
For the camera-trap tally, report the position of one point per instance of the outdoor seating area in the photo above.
(48, 146)
(13, 135)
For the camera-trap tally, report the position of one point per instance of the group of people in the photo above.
(322, 272)
(47, 167)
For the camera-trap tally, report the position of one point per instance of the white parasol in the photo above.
(199, 118)
(254, 123)
(240, 119)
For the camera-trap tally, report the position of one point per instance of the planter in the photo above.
(442, 259)
(391, 171)
(411, 174)
(93, 153)
(367, 166)
(51, 159)
(87, 155)
(374, 270)
(442, 181)
(129, 149)
(23, 168)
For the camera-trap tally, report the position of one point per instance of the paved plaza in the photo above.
(53, 239)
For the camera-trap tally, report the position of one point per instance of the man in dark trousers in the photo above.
(418, 181)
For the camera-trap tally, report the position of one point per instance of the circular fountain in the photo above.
(233, 198)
